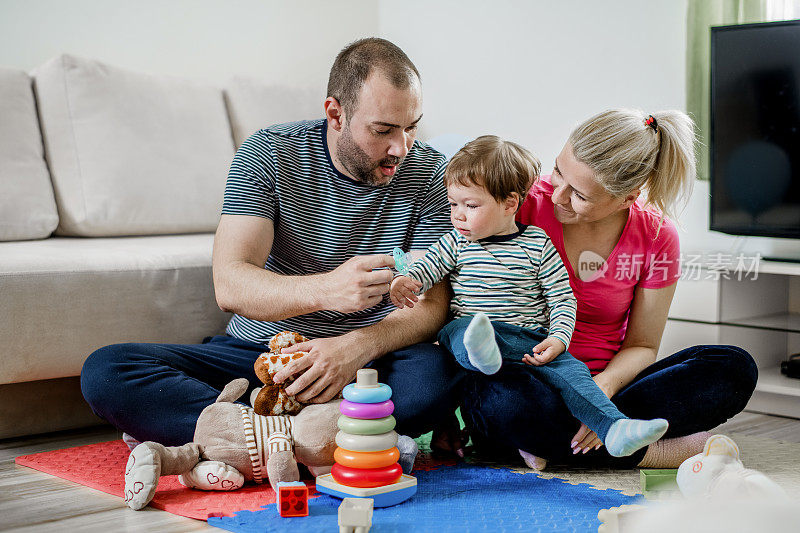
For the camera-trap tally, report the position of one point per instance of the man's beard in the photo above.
(357, 162)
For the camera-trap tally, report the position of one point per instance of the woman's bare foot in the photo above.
(533, 462)
(670, 453)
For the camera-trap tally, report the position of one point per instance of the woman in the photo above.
(623, 258)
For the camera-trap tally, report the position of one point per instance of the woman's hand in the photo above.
(584, 440)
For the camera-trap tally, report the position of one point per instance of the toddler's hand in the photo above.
(544, 352)
(402, 291)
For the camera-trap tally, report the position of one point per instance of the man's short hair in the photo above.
(355, 63)
(499, 166)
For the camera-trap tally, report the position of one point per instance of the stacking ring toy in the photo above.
(366, 443)
(366, 459)
(366, 410)
(358, 426)
(378, 394)
(366, 477)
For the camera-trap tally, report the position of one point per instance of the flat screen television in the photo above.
(754, 142)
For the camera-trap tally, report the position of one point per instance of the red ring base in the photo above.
(366, 477)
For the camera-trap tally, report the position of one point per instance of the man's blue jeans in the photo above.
(157, 391)
(570, 377)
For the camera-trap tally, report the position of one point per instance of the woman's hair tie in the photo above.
(652, 122)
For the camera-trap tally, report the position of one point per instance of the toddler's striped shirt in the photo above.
(517, 278)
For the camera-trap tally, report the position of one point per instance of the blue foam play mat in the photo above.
(460, 498)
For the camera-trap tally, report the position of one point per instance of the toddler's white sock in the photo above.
(627, 435)
(481, 346)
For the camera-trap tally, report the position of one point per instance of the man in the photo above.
(311, 212)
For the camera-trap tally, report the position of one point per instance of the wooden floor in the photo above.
(33, 501)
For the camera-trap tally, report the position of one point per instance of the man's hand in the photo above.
(331, 363)
(544, 352)
(355, 285)
(402, 291)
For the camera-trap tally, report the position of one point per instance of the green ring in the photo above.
(357, 426)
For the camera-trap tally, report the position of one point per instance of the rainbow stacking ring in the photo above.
(366, 477)
(366, 443)
(357, 394)
(358, 426)
(366, 410)
(366, 459)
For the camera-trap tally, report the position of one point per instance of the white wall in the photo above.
(208, 40)
(527, 70)
(530, 70)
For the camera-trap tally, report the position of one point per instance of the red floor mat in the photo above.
(102, 467)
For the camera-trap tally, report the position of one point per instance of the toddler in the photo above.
(511, 290)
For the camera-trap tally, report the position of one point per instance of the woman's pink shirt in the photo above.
(643, 257)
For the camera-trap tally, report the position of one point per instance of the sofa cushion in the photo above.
(254, 104)
(27, 206)
(132, 153)
(65, 297)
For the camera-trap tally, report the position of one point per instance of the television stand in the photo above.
(760, 313)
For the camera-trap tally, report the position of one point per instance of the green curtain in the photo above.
(701, 15)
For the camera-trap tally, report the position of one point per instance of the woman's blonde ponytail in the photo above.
(627, 150)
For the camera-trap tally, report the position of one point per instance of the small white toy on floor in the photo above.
(355, 515)
(618, 519)
(717, 474)
(722, 496)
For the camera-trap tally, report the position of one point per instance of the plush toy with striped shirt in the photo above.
(234, 443)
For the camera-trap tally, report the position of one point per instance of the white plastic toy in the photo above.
(718, 474)
(618, 519)
(355, 515)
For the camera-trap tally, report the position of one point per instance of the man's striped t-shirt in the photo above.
(323, 218)
(518, 279)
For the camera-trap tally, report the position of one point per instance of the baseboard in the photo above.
(43, 406)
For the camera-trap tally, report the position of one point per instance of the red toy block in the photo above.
(292, 499)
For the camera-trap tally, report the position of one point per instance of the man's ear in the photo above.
(334, 113)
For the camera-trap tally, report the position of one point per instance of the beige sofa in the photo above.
(111, 185)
